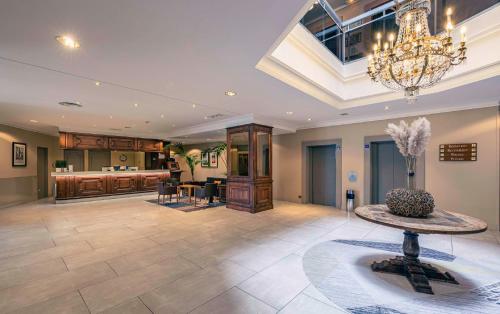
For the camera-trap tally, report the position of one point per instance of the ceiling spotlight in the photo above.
(194, 106)
(309, 119)
(230, 93)
(162, 116)
(206, 118)
(111, 117)
(68, 41)
(62, 116)
(97, 83)
(136, 105)
(386, 108)
(33, 121)
(289, 113)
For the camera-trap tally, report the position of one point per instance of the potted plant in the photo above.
(191, 159)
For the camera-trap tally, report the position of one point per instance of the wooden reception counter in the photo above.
(88, 184)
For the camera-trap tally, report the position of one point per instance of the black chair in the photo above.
(167, 190)
(208, 191)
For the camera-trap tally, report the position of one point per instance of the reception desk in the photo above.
(88, 184)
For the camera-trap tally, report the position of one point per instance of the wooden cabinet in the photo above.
(144, 145)
(123, 183)
(122, 143)
(90, 186)
(249, 180)
(82, 141)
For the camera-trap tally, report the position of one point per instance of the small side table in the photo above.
(439, 222)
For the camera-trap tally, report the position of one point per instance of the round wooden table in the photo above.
(438, 222)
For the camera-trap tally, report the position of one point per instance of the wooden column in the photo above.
(249, 160)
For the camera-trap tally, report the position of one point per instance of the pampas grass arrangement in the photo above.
(411, 140)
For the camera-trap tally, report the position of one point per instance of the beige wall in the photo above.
(200, 173)
(467, 187)
(19, 184)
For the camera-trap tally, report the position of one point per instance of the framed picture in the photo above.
(19, 157)
(214, 162)
(205, 160)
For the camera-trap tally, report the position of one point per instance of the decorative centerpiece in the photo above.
(411, 141)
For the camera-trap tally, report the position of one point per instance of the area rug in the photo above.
(340, 271)
(185, 206)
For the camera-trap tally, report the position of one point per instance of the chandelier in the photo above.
(416, 60)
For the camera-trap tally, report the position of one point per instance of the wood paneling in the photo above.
(123, 183)
(149, 182)
(86, 141)
(90, 186)
(145, 145)
(122, 143)
(95, 141)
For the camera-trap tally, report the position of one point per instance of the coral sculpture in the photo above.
(410, 203)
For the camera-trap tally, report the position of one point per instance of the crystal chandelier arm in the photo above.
(394, 78)
(426, 63)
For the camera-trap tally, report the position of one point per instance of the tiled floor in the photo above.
(132, 256)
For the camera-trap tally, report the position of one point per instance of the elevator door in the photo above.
(323, 175)
(42, 172)
(388, 170)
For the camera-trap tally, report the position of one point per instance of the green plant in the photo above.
(219, 149)
(191, 159)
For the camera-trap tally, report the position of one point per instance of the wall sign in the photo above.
(458, 152)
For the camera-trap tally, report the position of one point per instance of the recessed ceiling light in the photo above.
(34, 121)
(386, 108)
(194, 106)
(94, 125)
(111, 117)
(162, 116)
(230, 93)
(62, 116)
(97, 83)
(289, 113)
(68, 41)
(206, 118)
(136, 105)
(309, 119)
(344, 114)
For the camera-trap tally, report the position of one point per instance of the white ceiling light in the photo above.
(162, 116)
(33, 121)
(386, 108)
(136, 105)
(97, 83)
(68, 41)
(309, 119)
(194, 106)
(230, 93)
(289, 113)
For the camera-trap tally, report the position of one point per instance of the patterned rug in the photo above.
(185, 206)
(340, 271)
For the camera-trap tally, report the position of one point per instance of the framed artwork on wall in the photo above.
(214, 162)
(19, 154)
(205, 160)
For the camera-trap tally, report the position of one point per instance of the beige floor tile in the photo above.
(189, 292)
(306, 305)
(71, 303)
(44, 255)
(278, 284)
(44, 289)
(20, 250)
(106, 253)
(234, 301)
(137, 260)
(21, 275)
(113, 292)
(134, 306)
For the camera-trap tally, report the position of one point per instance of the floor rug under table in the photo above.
(340, 272)
(185, 206)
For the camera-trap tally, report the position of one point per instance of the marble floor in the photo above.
(133, 256)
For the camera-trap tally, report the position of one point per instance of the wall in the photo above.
(468, 187)
(115, 158)
(19, 184)
(200, 173)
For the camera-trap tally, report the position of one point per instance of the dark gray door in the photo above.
(388, 170)
(323, 175)
(75, 158)
(99, 159)
(42, 171)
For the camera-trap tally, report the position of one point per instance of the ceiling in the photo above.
(164, 56)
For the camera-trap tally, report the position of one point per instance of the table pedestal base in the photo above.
(409, 265)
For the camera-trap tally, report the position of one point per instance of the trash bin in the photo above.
(349, 196)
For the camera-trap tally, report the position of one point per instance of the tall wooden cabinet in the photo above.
(249, 160)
